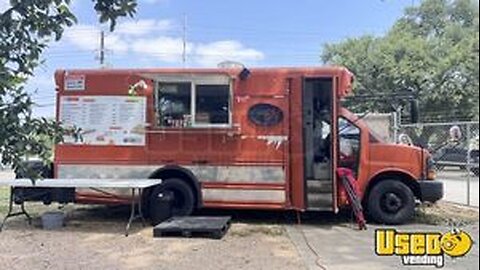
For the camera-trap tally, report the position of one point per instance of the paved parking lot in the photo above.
(327, 241)
(456, 186)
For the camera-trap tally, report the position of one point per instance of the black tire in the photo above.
(183, 200)
(391, 202)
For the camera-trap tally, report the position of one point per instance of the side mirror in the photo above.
(414, 111)
(405, 139)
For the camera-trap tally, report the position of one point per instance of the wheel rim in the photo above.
(178, 201)
(391, 202)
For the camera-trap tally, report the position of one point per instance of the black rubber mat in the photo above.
(211, 227)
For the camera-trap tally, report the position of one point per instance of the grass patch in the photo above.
(4, 197)
(444, 213)
(244, 230)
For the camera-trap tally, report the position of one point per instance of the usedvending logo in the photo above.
(422, 249)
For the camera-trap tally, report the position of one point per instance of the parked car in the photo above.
(458, 155)
(474, 161)
(451, 155)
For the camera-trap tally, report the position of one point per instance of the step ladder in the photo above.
(350, 184)
(319, 195)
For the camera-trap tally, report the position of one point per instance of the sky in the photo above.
(255, 33)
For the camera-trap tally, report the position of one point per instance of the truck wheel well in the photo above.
(402, 177)
(181, 173)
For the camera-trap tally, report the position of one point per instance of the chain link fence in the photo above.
(454, 148)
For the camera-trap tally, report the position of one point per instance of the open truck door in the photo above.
(319, 136)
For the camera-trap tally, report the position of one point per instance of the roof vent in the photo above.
(230, 64)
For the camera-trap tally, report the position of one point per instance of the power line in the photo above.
(184, 40)
(44, 105)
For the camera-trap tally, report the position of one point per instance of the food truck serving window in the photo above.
(173, 105)
(212, 104)
(195, 103)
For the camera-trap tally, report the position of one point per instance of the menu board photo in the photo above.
(105, 120)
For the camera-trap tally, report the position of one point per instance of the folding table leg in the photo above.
(140, 204)
(133, 208)
(132, 212)
(10, 210)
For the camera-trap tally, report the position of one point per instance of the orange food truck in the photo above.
(262, 138)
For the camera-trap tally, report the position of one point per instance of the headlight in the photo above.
(431, 173)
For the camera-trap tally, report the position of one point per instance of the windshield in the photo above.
(349, 144)
(374, 136)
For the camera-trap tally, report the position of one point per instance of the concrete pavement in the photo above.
(343, 247)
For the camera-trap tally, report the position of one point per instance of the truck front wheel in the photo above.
(391, 202)
(180, 196)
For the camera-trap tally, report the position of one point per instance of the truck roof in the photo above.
(344, 75)
(234, 71)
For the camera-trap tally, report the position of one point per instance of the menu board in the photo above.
(105, 120)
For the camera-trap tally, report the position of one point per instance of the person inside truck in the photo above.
(321, 132)
(173, 104)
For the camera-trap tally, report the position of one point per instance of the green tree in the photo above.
(26, 28)
(430, 52)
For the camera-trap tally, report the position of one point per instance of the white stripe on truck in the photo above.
(237, 195)
(205, 174)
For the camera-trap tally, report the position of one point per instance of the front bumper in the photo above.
(430, 191)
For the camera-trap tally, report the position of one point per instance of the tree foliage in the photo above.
(430, 52)
(26, 28)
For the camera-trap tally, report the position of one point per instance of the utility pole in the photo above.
(397, 123)
(102, 49)
(184, 41)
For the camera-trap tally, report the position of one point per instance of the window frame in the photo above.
(194, 81)
(360, 147)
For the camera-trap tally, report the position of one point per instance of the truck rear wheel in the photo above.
(391, 202)
(182, 200)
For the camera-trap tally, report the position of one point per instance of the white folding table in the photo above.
(136, 185)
